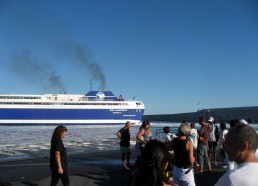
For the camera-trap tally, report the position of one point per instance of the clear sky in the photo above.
(176, 56)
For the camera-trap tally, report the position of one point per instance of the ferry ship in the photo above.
(96, 107)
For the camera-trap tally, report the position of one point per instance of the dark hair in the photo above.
(145, 124)
(151, 165)
(192, 125)
(234, 122)
(240, 133)
(222, 126)
(166, 129)
(201, 118)
(58, 132)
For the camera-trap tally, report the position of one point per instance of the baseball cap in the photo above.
(243, 121)
(211, 119)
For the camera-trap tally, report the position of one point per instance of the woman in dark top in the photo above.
(58, 157)
(184, 159)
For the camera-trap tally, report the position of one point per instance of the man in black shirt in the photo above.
(124, 135)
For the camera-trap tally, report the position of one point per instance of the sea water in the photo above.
(19, 142)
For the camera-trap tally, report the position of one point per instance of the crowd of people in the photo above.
(183, 153)
(191, 150)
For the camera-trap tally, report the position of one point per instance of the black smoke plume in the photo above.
(33, 70)
(81, 55)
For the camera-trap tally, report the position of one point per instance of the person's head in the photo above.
(201, 120)
(222, 126)
(59, 132)
(184, 129)
(166, 129)
(233, 123)
(211, 120)
(153, 163)
(128, 124)
(192, 125)
(241, 141)
(145, 125)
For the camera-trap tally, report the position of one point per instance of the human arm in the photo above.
(119, 135)
(58, 160)
(190, 148)
(139, 135)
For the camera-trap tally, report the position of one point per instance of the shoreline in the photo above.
(89, 168)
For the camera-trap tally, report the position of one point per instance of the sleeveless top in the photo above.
(146, 136)
(125, 137)
(181, 153)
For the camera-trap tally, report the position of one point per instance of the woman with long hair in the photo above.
(144, 135)
(152, 165)
(58, 157)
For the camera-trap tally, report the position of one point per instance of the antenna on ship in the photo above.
(198, 105)
(91, 84)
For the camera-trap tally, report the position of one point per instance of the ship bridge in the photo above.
(100, 95)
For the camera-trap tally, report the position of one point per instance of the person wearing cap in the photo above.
(213, 139)
(243, 121)
(204, 136)
(240, 144)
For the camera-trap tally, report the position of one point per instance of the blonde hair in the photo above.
(184, 129)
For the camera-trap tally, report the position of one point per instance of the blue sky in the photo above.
(175, 56)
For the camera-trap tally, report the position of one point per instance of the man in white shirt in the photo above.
(240, 144)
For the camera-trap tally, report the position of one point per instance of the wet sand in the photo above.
(89, 169)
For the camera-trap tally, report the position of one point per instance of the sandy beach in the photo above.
(86, 169)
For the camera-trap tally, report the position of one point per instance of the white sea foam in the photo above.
(18, 142)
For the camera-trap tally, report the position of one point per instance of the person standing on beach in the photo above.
(194, 138)
(58, 157)
(212, 140)
(184, 159)
(224, 131)
(204, 136)
(168, 136)
(144, 135)
(240, 144)
(124, 135)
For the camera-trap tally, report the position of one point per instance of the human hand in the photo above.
(60, 170)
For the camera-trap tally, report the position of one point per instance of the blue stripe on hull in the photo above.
(68, 114)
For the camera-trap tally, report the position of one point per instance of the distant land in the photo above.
(250, 114)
